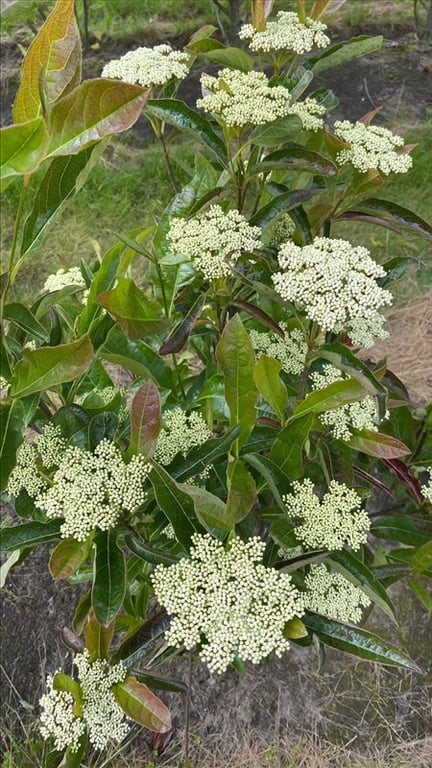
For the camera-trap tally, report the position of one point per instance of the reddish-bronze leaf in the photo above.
(140, 703)
(145, 419)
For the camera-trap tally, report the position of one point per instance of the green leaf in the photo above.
(47, 367)
(355, 571)
(103, 426)
(181, 332)
(287, 450)
(342, 357)
(22, 147)
(295, 157)
(68, 556)
(336, 394)
(63, 178)
(81, 612)
(109, 577)
(148, 553)
(294, 629)
(188, 121)
(63, 682)
(421, 592)
(75, 759)
(145, 419)
(23, 318)
(176, 504)
(277, 132)
(13, 559)
(210, 510)
(422, 557)
(283, 202)
(234, 58)
(241, 492)
(137, 314)
(341, 53)
(98, 638)
(357, 641)
(395, 269)
(95, 109)
(377, 444)
(141, 704)
(11, 437)
(199, 458)
(269, 384)
(277, 480)
(161, 683)
(282, 532)
(399, 528)
(402, 217)
(236, 357)
(29, 533)
(52, 63)
(138, 357)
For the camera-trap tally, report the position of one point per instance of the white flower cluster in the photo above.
(371, 147)
(310, 113)
(290, 351)
(101, 715)
(182, 432)
(360, 415)
(287, 33)
(427, 489)
(243, 98)
(92, 490)
(149, 66)
(227, 602)
(332, 595)
(63, 278)
(34, 460)
(214, 240)
(336, 284)
(330, 523)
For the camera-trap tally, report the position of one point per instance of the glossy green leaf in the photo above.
(395, 269)
(269, 384)
(355, 571)
(22, 148)
(176, 504)
(178, 114)
(161, 683)
(282, 532)
(23, 318)
(29, 533)
(210, 510)
(74, 759)
(63, 178)
(81, 612)
(68, 556)
(341, 53)
(47, 367)
(109, 579)
(63, 682)
(234, 58)
(136, 313)
(11, 437)
(241, 492)
(236, 358)
(277, 480)
(141, 704)
(95, 109)
(103, 426)
(336, 394)
(377, 444)
(98, 638)
(277, 132)
(145, 419)
(422, 557)
(287, 450)
(148, 553)
(73, 421)
(295, 157)
(402, 217)
(52, 63)
(294, 629)
(138, 357)
(399, 528)
(201, 457)
(103, 280)
(280, 203)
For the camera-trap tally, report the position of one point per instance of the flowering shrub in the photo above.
(219, 504)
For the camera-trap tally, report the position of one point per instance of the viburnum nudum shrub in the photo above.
(219, 504)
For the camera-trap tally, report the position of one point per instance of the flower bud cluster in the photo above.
(243, 98)
(332, 595)
(92, 490)
(335, 283)
(227, 602)
(63, 278)
(182, 432)
(371, 147)
(35, 460)
(427, 488)
(359, 415)
(310, 113)
(287, 33)
(330, 523)
(214, 240)
(101, 715)
(149, 66)
(290, 351)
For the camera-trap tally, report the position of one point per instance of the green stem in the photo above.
(179, 378)
(168, 165)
